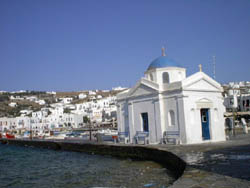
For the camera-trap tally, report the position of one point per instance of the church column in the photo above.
(178, 115)
(131, 121)
(180, 107)
(119, 115)
(162, 125)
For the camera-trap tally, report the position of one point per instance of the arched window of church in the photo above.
(165, 78)
(171, 118)
(151, 77)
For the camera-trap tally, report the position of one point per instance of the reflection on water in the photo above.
(32, 167)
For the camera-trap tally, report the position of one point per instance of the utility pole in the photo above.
(235, 105)
(90, 130)
(30, 131)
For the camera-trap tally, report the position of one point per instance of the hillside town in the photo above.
(237, 96)
(164, 106)
(45, 113)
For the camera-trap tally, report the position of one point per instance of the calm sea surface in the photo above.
(32, 167)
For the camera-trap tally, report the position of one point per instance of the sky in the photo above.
(72, 45)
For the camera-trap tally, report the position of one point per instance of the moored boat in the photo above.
(10, 136)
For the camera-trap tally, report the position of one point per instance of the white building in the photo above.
(57, 109)
(237, 96)
(99, 97)
(166, 103)
(41, 102)
(105, 91)
(97, 110)
(25, 112)
(23, 123)
(119, 88)
(7, 124)
(12, 104)
(32, 98)
(51, 92)
(66, 100)
(12, 97)
(38, 114)
(82, 96)
(41, 121)
(92, 92)
(80, 109)
(73, 120)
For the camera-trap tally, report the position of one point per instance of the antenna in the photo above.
(214, 63)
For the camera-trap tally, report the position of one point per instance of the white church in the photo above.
(165, 104)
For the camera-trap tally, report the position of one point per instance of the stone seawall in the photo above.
(165, 158)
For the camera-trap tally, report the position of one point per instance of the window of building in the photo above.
(231, 101)
(151, 77)
(171, 117)
(165, 77)
(247, 103)
(144, 117)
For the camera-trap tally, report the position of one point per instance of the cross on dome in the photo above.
(163, 61)
(163, 51)
(200, 67)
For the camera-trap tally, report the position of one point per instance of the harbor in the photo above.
(128, 94)
(220, 164)
(34, 167)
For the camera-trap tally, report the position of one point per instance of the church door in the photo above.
(144, 121)
(205, 124)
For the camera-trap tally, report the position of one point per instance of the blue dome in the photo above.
(161, 62)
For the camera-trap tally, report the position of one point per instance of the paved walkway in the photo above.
(224, 164)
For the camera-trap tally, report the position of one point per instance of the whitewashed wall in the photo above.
(193, 102)
(129, 117)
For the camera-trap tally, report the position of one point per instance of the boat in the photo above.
(57, 135)
(76, 136)
(10, 136)
(107, 134)
(26, 134)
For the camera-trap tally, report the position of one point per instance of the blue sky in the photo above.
(69, 45)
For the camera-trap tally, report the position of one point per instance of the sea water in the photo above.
(24, 167)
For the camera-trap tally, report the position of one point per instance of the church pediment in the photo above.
(201, 82)
(202, 85)
(142, 90)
